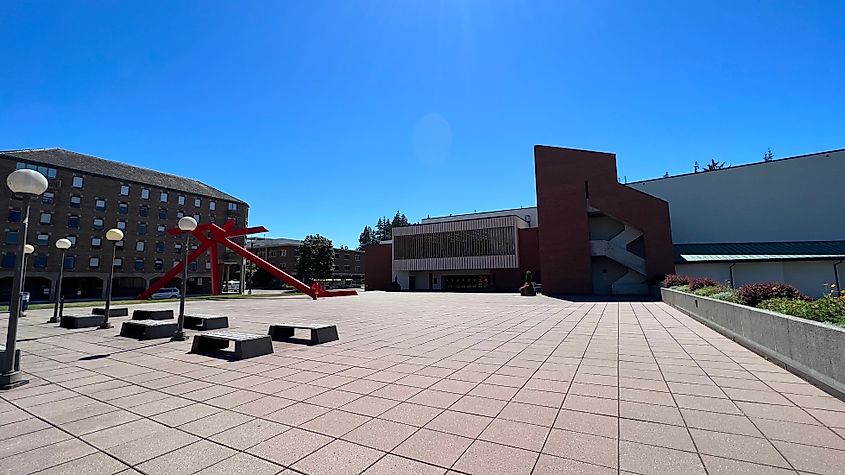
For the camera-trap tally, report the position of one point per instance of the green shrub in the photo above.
(727, 296)
(826, 309)
(709, 290)
(680, 288)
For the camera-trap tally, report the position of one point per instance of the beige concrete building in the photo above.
(89, 195)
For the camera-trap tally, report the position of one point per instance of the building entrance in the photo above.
(466, 283)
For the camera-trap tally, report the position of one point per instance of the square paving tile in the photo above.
(587, 448)
(289, 446)
(494, 459)
(380, 434)
(394, 465)
(436, 448)
(339, 457)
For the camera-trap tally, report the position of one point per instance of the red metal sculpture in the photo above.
(210, 235)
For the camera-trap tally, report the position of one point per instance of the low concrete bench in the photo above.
(152, 315)
(81, 321)
(113, 312)
(203, 321)
(320, 332)
(148, 329)
(247, 345)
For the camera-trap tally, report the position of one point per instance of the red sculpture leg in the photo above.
(215, 271)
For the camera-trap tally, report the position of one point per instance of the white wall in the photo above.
(808, 276)
(796, 199)
(527, 214)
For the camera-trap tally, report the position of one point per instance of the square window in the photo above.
(212, 205)
(11, 236)
(142, 229)
(119, 245)
(8, 261)
(46, 218)
(43, 239)
(73, 221)
(180, 215)
(144, 211)
(40, 261)
(139, 246)
(100, 204)
(70, 262)
(163, 197)
(139, 264)
(357, 268)
(77, 182)
(48, 198)
(121, 225)
(94, 262)
(118, 262)
(96, 242)
(233, 206)
(72, 240)
(158, 264)
(75, 201)
(145, 193)
(192, 266)
(208, 265)
(160, 229)
(197, 218)
(159, 246)
(124, 190)
(51, 173)
(162, 213)
(123, 208)
(98, 223)
(15, 215)
(180, 199)
(197, 203)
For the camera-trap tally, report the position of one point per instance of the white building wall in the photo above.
(527, 214)
(794, 199)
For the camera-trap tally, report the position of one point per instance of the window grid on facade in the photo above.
(464, 243)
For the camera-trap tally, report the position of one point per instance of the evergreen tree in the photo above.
(768, 156)
(316, 258)
(697, 167)
(384, 229)
(399, 220)
(666, 175)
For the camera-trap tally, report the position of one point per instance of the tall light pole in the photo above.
(27, 250)
(63, 244)
(28, 184)
(114, 235)
(186, 224)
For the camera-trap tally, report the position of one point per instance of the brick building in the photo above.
(284, 254)
(89, 195)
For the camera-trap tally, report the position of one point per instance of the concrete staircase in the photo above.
(634, 281)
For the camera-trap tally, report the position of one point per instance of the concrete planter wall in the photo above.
(815, 351)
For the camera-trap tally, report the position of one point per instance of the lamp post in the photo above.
(62, 244)
(27, 250)
(186, 224)
(28, 184)
(114, 235)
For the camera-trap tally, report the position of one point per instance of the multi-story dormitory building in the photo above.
(284, 254)
(88, 196)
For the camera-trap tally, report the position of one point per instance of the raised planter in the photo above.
(813, 350)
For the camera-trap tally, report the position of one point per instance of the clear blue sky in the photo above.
(325, 115)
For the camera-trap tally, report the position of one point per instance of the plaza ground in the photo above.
(419, 383)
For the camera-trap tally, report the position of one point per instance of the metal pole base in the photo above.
(12, 380)
(179, 336)
(53, 320)
(105, 326)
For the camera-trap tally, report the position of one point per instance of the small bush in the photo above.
(680, 288)
(708, 291)
(696, 283)
(753, 294)
(727, 296)
(826, 309)
(674, 280)
(793, 307)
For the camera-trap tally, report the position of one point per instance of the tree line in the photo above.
(382, 231)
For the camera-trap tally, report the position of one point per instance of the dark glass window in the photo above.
(43, 239)
(40, 261)
(46, 218)
(94, 262)
(70, 262)
(161, 229)
(123, 208)
(142, 228)
(139, 264)
(73, 221)
(75, 201)
(159, 264)
(8, 261)
(144, 211)
(11, 236)
(159, 246)
(98, 223)
(193, 266)
(162, 213)
(100, 204)
(48, 197)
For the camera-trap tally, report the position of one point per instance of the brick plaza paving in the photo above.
(423, 384)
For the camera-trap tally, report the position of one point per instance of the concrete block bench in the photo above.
(320, 332)
(148, 329)
(152, 315)
(81, 321)
(113, 312)
(203, 322)
(247, 345)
